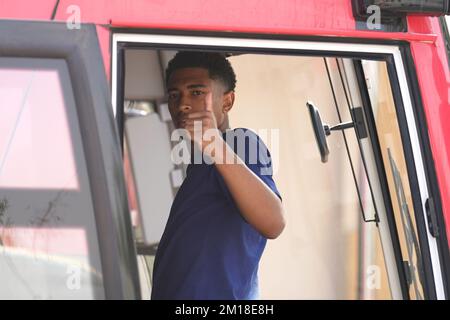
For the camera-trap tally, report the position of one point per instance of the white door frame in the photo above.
(334, 47)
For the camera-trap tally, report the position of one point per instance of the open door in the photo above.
(369, 102)
(65, 231)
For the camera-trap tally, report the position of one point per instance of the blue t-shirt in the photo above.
(208, 250)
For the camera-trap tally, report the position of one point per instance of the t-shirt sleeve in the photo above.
(252, 150)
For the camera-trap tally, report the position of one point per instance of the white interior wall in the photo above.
(312, 258)
(149, 143)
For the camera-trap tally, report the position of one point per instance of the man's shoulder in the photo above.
(240, 131)
(249, 146)
(243, 135)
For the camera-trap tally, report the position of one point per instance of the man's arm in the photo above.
(258, 204)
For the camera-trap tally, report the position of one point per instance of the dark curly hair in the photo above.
(217, 65)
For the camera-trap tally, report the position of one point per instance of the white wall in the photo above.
(315, 257)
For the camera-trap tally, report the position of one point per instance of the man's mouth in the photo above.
(180, 121)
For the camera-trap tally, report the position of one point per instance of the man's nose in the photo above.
(184, 107)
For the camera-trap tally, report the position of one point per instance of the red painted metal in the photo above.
(434, 81)
(334, 33)
(229, 15)
(26, 10)
(331, 18)
(103, 34)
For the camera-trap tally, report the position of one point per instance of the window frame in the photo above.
(412, 124)
(80, 51)
(444, 22)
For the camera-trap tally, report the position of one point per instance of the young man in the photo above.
(228, 206)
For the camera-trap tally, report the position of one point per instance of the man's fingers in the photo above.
(201, 115)
(191, 125)
(208, 102)
(201, 121)
(200, 125)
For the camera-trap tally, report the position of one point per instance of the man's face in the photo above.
(187, 90)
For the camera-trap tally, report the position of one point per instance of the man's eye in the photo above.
(173, 96)
(197, 93)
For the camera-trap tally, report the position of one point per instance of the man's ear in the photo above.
(228, 101)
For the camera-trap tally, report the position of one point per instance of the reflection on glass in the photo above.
(326, 251)
(33, 123)
(48, 237)
(412, 242)
(394, 161)
(372, 274)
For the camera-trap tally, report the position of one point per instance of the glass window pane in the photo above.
(447, 20)
(391, 145)
(48, 238)
(326, 251)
